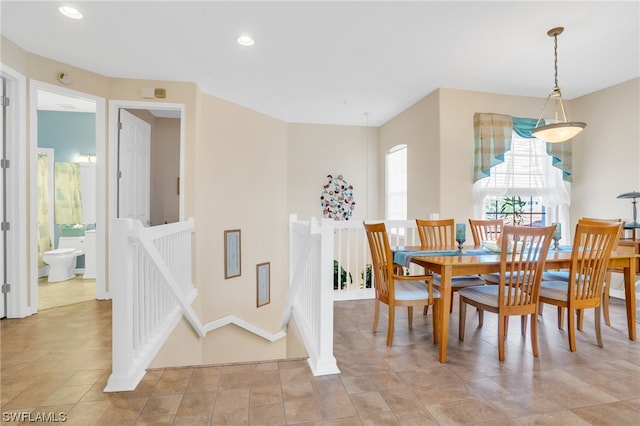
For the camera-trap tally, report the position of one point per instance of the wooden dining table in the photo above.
(449, 263)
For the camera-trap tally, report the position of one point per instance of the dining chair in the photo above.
(395, 289)
(593, 242)
(563, 275)
(487, 230)
(523, 253)
(439, 234)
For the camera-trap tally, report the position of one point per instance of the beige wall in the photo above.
(316, 151)
(418, 127)
(606, 159)
(241, 163)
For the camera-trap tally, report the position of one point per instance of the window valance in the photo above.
(492, 138)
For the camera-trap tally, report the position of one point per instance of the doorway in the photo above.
(163, 199)
(72, 125)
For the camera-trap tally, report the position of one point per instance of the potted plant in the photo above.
(512, 207)
(365, 275)
(340, 279)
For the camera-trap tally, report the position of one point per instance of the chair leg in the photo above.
(425, 311)
(502, 333)
(523, 325)
(506, 326)
(605, 299)
(410, 316)
(580, 318)
(534, 335)
(560, 317)
(462, 319)
(436, 321)
(480, 317)
(597, 322)
(376, 314)
(392, 324)
(571, 315)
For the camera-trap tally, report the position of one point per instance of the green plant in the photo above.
(342, 281)
(365, 275)
(512, 207)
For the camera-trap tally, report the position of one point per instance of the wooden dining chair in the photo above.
(395, 289)
(563, 275)
(439, 234)
(487, 230)
(522, 257)
(593, 242)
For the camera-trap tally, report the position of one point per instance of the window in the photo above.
(396, 183)
(525, 189)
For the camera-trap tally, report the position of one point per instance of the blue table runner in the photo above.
(403, 257)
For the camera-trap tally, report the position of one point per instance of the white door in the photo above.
(134, 168)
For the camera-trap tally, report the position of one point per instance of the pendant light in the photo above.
(560, 131)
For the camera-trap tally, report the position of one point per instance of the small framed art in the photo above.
(232, 253)
(263, 277)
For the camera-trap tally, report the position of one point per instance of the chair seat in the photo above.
(555, 276)
(460, 281)
(486, 295)
(494, 277)
(413, 290)
(556, 290)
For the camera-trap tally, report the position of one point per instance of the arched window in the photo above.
(396, 183)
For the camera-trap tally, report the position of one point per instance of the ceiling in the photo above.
(337, 62)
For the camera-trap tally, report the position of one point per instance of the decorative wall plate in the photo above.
(337, 199)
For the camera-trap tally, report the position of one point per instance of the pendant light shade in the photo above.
(561, 130)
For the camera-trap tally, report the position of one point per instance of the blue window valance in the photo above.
(492, 138)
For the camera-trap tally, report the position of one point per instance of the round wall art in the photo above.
(337, 199)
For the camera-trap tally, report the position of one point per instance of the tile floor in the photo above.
(76, 290)
(56, 363)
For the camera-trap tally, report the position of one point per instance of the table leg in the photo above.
(630, 297)
(445, 300)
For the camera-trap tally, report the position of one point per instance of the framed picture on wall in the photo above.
(232, 253)
(263, 283)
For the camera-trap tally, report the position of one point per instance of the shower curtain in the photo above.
(68, 202)
(44, 233)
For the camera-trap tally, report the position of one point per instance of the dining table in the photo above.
(450, 262)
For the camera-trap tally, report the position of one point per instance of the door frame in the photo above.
(114, 109)
(16, 207)
(101, 228)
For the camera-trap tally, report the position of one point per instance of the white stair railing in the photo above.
(328, 261)
(310, 301)
(151, 290)
(151, 286)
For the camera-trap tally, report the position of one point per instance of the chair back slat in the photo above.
(437, 233)
(522, 257)
(592, 246)
(486, 230)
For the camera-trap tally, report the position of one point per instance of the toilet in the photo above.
(62, 261)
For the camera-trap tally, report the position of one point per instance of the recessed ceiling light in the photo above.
(70, 12)
(245, 40)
